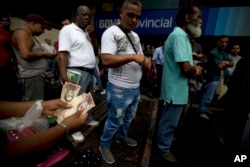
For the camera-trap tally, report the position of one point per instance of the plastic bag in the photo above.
(30, 116)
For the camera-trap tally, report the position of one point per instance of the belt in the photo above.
(84, 69)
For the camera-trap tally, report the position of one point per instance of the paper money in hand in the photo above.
(83, 102)
(69, 91)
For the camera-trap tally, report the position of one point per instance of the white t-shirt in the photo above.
(114, 41)
(77, 42)
(235, 61)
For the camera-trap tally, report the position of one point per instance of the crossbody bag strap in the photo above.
(127, 37)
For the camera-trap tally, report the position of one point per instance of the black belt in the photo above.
(84, 69)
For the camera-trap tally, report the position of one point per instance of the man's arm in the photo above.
(18, 109)
(189, 70)
(24, 43)
(62, 62)
(113, 61)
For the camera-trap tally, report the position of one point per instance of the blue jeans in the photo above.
(169, 120)
(86, 82)
(98, 79)
(122, 105)
(207, 96)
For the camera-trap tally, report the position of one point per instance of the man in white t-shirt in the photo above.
(234, 54)
(121, 52)
(76, 52)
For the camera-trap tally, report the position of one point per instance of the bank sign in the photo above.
(232, 21)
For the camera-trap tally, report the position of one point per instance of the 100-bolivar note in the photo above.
(83, 102)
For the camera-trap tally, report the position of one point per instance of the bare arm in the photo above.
(13, 109)
(62, 62)
(23, 42)
(189, 70)
(225, 64)
(18, 109)
(110, 60)
(44, 139)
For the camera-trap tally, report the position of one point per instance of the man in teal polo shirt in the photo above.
(177, 69)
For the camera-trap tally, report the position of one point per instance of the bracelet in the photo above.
(39, 104)
(65, 127)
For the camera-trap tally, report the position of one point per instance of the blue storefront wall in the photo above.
(230, 21)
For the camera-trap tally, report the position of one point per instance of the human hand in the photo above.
(147, 63)
(76, 121)
(49, 55)
(198, 70)
(224, 64)
(50, 106)
(142, 60)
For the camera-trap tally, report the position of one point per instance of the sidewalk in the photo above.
(197, 144)
(141, 129)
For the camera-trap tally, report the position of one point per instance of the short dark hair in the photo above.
(134, 2)
(222, 36)
(181, 15)
(233, 43)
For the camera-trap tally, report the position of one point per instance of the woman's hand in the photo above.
(50, 106)
(76, 121)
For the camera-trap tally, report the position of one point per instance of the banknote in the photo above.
(74, 75)
(69, 91)
(83, 102)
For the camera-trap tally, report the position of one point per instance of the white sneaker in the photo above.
(78, 136)
(103, 92)
(93, 123)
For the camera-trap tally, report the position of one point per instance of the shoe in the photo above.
(93, 123)
(169, 157)
(107, 155)
(128, 141)
(204, 116)
(78, 137)
(103, 92)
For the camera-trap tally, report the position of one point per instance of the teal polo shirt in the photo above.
(215, 57)
(174, 86)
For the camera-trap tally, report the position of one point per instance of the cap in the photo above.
(38, 19)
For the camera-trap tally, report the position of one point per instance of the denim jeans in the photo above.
(122, 105)
(169, 120)
(87, 86)
(98, 78)
(207, 97)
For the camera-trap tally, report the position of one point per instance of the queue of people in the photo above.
(126, 61)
